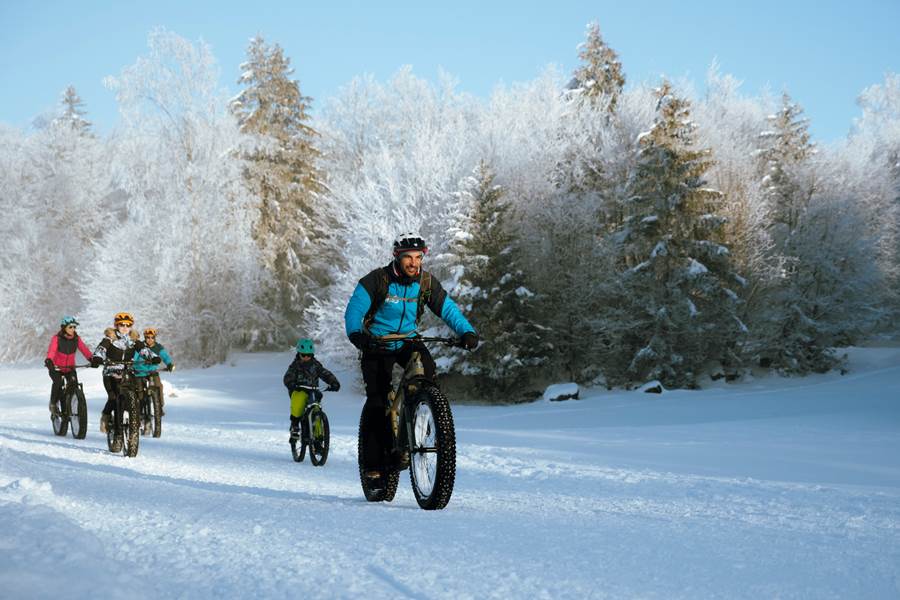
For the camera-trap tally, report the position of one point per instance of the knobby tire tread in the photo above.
(445, 438)
(318, 459)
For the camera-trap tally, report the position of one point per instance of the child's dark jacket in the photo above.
(307, 373)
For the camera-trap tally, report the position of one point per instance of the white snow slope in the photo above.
(785, 488)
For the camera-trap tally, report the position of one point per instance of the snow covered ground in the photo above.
(785, 488)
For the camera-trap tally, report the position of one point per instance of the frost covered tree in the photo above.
(283, 171)
(182, 257)
(680, 284)
(786, 150)
(872, 157)
(396, 152)
(792, 333)
(600, 76)
(493, 290)
(729, 123)
(55, 188)
(74, 112)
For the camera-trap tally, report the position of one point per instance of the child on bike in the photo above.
(61, 356)
(305, 370)
(145, 368)
(123, 347)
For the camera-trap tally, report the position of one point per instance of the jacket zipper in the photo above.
(402, 314)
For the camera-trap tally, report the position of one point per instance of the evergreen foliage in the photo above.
(604, 257)
(282, 170)
(680, 280)
(795, 334)
(494, 292)
(74, 112)
(600, 75)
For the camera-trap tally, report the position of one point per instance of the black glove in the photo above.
(333, 387)
(170, 367)
(363, 340)
(469, 340)
(49, 364)
(156, 360)
(96, 362)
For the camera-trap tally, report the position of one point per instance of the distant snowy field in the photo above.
(785, 488)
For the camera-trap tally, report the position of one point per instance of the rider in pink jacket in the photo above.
(61, 355)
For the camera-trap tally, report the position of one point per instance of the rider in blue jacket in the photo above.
(145, 368)
(389, 301)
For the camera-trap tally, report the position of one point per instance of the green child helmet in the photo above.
(305, 346)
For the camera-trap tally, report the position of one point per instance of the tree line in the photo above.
(591, 231)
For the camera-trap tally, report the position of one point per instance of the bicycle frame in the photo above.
(128, 384)
(413, 377)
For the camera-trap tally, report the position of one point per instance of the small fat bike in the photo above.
(314, 433)
(424, 439)
(71, 407)
(151, 407)
(123, 434)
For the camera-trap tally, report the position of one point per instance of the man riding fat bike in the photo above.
(390, 301)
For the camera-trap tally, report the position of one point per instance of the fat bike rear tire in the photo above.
(60, 419)
(375, 490)
(114, 437)
(156, 412)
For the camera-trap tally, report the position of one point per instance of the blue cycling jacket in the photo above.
(143, 367)
(397, 314)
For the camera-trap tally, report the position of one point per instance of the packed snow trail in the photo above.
(774, 487)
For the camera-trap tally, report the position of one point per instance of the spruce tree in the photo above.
(680, 289)
(283, 171)
(600, 74)
(74, 112)
(796, 336)
(493, 289)
(785, 147)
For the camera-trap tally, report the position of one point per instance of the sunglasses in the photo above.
(124, 325)
(305, 355)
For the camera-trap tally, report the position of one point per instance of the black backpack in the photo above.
(381, 290)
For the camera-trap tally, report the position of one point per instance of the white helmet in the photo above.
(409, 242)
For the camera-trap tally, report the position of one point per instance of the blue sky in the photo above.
(823, 53)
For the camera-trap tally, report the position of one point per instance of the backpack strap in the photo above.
(424, 294)
(381, 291)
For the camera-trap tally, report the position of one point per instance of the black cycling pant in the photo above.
(56, 388)
(112, 392)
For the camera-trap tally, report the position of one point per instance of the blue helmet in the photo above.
(67, 320)
(305, 346)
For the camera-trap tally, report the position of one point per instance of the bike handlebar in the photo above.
(58, 369)
(396, 337)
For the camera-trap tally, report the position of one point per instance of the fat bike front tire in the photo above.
(319, 437)
(432, 469)
(78, 417)
(132, 426)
